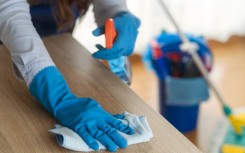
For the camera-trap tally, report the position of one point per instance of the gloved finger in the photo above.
(99, 31)
(115, 52)
(120, 48)
(130, 48)
(88, 139)
(108, 54)
(129, 51)
(114, 135)
(120, 126)
(99, 47)
(103, 138)
(119, 116)
(137, 22)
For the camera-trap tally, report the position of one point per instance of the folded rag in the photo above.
(71, 140)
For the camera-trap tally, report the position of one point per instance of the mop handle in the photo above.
(194, 54)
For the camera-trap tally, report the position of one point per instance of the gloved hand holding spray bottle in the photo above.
(121, 66)
(121, 33)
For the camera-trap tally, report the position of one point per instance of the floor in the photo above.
(228, 75)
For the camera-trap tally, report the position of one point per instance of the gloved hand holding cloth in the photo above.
(33, 62)
(83, 115)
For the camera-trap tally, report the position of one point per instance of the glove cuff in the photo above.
(50, 89)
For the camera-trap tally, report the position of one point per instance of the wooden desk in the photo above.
(25, 123)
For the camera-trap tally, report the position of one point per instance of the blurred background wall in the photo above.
(214, 19)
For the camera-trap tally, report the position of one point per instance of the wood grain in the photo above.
(25, 123)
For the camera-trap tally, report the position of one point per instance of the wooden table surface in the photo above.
(24, 123)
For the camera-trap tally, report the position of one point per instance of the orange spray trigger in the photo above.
(110, 33)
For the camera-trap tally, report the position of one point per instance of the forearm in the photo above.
(107, 8)
(20, 37)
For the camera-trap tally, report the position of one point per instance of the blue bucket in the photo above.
(180, 91)
(183, 118)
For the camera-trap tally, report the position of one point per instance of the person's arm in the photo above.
(20, 37)
(126, 25)
(104, 9)
(83, 115)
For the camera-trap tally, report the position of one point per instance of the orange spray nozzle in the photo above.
(110, 33)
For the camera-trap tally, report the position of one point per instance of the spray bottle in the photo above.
(121, 66)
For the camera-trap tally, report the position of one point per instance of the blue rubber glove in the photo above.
(126, 25)
(83, 115)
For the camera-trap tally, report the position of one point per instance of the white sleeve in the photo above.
(107, 8)
(20, 37)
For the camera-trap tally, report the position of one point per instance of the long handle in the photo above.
(194, 54)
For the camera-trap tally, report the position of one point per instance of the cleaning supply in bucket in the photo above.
(158, 60)
(181, 87)
(121, 66)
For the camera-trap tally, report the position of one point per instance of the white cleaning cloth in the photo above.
(71, 140)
